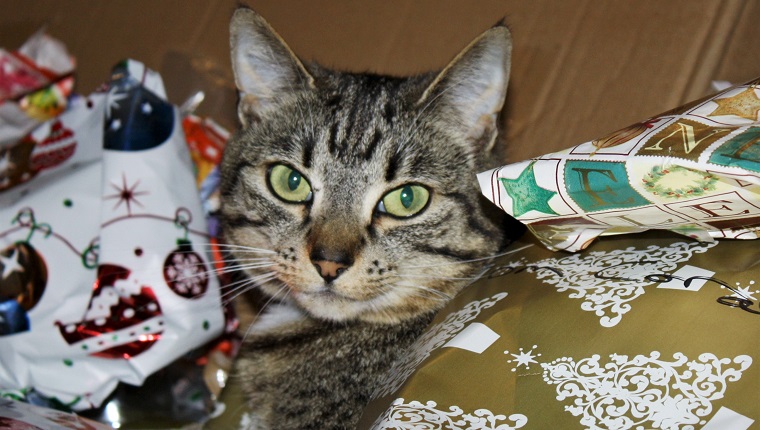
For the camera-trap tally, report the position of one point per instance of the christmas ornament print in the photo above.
(185, 271)
(123, 319)
(136, 118)
(23, 277)
(15, 163)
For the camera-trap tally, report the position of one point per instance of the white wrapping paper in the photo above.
(104, 270)
(694, 170)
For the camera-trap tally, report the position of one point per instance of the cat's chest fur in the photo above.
(289, 362)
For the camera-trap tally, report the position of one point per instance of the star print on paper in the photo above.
(10, 264)
(527, 195)
(114, 97)
(5, 162)
(523, 358)
(745, 104)
(126, 194)
(745, 292)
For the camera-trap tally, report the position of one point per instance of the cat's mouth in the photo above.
(330, 303)
(324, 292)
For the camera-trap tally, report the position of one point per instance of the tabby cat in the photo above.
(350, 201)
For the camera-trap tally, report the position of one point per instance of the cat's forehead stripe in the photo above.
(393, 165)
(308, 149)
(377, 135)
(357, 123)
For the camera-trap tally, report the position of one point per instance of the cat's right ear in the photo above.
(266, 70)
(470, 92)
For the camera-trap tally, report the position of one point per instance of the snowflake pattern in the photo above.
(432, 339)
(608, 282)
(186, 274)
(417, 416)
(126, 194)
(745, 292)
(643, 391)
(523, 358)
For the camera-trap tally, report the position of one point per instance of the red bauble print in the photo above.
(23, 277)
(185, 271)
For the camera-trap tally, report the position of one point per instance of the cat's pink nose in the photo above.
(329, 270)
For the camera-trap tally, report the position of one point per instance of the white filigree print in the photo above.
(432, 339)
(608, 282)
(417, 416)
(643, 391)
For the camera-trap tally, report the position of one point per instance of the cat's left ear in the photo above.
(266, 70)
(470, 91)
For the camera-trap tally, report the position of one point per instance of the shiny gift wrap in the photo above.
(22, 416)
(694, 170)
(35, 82)
(105, 275)
(645, 331)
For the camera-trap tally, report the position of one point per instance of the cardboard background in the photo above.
(580, 69)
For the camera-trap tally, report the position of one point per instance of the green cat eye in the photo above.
(289, 184)
(404, 201)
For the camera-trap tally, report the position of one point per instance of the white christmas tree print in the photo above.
(644, 391)
(608, 282)
(416, 415)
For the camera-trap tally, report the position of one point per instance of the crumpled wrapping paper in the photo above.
(694, 170)
(105, 269)
(23, 416)
(35, 82)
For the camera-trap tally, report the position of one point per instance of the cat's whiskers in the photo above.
(429, 291)
(236, 261)
(240, 248)
(248, 284)
(227, 267)
(234, 287)
(282, 288)
(430, 276)
(242, 267)
(474, 260)
(232, 260)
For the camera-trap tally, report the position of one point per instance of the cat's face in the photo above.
(354, 196)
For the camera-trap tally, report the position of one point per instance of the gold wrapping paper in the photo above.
(644, 331)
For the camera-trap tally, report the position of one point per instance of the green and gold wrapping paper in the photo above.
(694, 170)
(629, 335)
